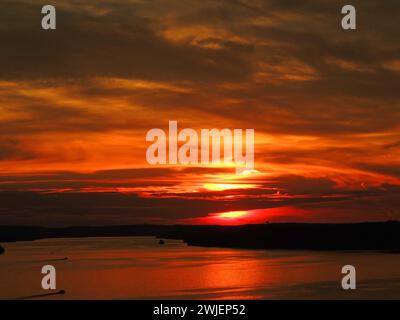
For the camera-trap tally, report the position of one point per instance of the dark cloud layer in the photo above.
(96, 208)
(117, 208)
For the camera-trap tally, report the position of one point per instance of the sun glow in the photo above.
(232, 214)
(227, 186)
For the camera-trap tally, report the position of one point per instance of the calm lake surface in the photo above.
(140, 268)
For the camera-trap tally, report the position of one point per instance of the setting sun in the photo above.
(232, 214)
(227, 186)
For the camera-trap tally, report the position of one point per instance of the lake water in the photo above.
(140, 268)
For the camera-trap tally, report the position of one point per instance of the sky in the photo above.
(76, 104)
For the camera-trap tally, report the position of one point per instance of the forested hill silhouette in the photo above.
(355, 236)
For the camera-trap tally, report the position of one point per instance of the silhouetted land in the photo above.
(356, 236)
(41, 295)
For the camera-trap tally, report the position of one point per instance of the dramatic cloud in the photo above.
(76, 103)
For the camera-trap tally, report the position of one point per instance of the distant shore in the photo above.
(291, 236)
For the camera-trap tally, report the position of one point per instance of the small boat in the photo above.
(161, 241)
(2, 250)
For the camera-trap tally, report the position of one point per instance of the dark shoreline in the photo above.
(293, 236)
